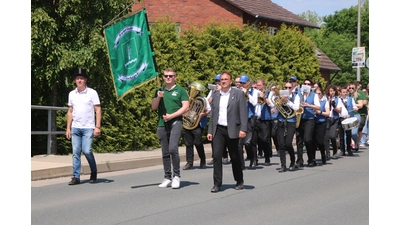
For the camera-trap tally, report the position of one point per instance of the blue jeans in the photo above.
(354, 131)
(82, 139)
(365, 132)
(169, 149)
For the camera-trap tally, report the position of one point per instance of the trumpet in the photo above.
(261, 100)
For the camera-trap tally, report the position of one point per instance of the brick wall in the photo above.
(192, 12)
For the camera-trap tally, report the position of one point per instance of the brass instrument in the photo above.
(300, 111)
(282, 107)
(197, 104)
(261, 100)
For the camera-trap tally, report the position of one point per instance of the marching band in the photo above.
(285, 114)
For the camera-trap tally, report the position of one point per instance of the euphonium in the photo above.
(282, 107)
(191, 118)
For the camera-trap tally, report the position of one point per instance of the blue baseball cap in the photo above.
(293, 78)
(244, 79)
(218, 77)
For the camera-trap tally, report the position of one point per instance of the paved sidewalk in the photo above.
(54, 166)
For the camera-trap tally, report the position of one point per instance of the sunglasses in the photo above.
(169, 76)
(351, 88)
(217, 80)
(242, 82)
(318, 93)
(307, 83)
(288, 87)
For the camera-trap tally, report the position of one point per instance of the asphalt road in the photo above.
(336, 193)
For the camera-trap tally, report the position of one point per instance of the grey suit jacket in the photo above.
(236, 113)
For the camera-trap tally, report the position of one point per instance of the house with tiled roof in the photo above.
(264, 12)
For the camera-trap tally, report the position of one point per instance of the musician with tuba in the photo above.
(309, 102)
(194, 122)
(250, 142)
(287, 103)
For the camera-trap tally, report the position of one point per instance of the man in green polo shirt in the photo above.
(171, 101)
(361, 114)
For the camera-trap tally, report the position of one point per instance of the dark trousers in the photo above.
(342, 141)
(220, 141)
(331, 135)
(264, 135)
(249, 142)
(169, 148)
(318, 137)
(305, 133)
(193, 138)
(285, 134)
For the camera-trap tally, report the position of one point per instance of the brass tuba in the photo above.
(282, 107)
(197, 104)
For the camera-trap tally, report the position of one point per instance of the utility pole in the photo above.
(358, 35)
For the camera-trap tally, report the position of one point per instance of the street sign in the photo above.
(358, 57)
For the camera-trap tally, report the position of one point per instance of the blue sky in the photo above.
(321, 7)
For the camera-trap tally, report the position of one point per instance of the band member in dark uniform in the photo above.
(287, 125)
(320, 124)
(310, 102)
(250, 142)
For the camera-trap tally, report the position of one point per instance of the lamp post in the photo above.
(358, 35)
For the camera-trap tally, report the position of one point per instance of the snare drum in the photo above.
(350, 123)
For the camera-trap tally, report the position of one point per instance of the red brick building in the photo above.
(199, 12)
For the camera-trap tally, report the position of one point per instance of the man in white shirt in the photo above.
(83, 125)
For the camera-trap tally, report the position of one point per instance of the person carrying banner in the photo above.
(171, 101)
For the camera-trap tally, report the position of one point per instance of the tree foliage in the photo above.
(338, 36)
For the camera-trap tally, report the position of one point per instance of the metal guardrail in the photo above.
(48, 132)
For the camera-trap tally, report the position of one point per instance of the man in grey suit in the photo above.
(227, 124)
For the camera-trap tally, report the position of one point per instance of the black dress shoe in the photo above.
(202, 165)
(292, 166)
(299, 165)
(211, 162)
(93, 177)
(283, 169)
(252, 164)
(350, 154)
(188, 166)
(328, 157)
(74, 181)
(215, 189)
(239, 186)
(310, 164)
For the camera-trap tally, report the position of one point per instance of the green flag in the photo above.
(130, 53)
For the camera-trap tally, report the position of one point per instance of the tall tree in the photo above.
(66, 35)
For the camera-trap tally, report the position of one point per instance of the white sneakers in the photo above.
(165, 183)
(176, 182)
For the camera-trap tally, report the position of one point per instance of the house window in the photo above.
(272, 30)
